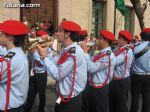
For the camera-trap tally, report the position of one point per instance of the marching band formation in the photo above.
(86, 82)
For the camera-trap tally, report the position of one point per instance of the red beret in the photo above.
(14, 27)
(107, 34)
(83, 33)
(126, 35)
(70, 26)
(145, 30)
(41, 33)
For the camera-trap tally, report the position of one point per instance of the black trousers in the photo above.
(118, 95)
(74, 105)
(19, 109)
(98, 99)
(140, 85)
(85, 100)
(37, 83)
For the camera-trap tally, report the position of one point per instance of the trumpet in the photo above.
(90, 44)
(33, 42)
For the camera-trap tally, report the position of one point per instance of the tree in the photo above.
(140, 10)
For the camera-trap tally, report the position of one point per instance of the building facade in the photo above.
(48, 11)
(92, 15)
(9, 13)
(108, 19)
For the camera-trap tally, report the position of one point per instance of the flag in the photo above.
(120, 5)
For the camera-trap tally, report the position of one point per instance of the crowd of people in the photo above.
(87, 81)
(47, 26)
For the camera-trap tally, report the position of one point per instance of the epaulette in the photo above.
(137, 43)
(10, 55)
(72, 50)
(108, 52)
(127, 47)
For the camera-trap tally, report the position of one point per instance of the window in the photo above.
(98, 18)
(129, 19)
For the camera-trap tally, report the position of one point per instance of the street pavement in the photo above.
(51, 98)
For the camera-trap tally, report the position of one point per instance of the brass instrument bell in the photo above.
(32, 42)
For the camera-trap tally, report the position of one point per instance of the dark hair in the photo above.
(109, 41)
(81, 38)
(33, 26)
(44, 21)
(145, 36)
(124, 38)
(64, 19)
(50, 22)
(133, 41)
(74, 36)
(91, 34)
(19, 41)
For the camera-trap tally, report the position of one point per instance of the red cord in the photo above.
(108, 76)
(125, 60)
(8, 81)
(8, 86)
(60, 61)
(1, 60)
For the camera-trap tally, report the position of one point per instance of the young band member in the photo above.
(38, 79)
(69, 68)
(119, 87)
(140, 78)
(14, 78)
(100, 69)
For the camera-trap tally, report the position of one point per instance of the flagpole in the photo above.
(115, 18)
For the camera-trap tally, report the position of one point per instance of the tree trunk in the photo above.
(139, 12)
(141, 22)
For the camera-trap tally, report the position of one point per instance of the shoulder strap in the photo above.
(120, 50)
(10, 55)
(72, 50)
(141, 53)
(65, 55)
(101, 55)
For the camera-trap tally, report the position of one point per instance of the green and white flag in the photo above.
(120, 5)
